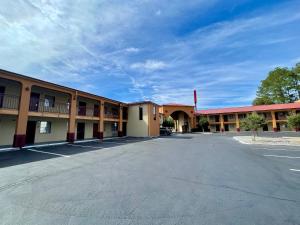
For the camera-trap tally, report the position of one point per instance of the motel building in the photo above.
(228, 119)
(36, 112)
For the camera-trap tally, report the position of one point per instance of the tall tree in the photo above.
(281, 86)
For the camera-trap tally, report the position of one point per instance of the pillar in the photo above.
(208, 122)
(274, 125)
(72, 118)
(237, 123)
(120, 127)
(222, 123)
(21, 126)
(101, 121)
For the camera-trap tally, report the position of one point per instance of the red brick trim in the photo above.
(19, 140)
(71, 137)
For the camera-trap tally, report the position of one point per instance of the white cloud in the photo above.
(132, 49)
(150, 65)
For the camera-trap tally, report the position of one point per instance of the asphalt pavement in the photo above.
(184, 179)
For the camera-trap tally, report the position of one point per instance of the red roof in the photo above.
(176, 104)
(295, 105)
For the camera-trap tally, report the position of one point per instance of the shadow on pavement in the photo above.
(24, 156)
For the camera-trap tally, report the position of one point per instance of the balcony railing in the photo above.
(86, 111)
(42, 106)
(111, 115)
(9, 101)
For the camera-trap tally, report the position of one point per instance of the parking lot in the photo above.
(182, 179)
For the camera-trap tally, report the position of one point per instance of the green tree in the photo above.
(168, 122)
(253, 122)
(294, 121)
(203, 122)
(281, 86)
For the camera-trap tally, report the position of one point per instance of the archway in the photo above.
(182, 121)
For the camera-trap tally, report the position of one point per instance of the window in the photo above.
(154, 112)
(141, 113)
(49, 101)
(45, 127)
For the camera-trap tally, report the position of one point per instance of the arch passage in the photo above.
(182, 121)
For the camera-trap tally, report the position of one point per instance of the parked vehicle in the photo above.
(165, 131)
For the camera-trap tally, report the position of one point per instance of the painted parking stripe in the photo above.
(283, 156)
(277, 149)
(295, 170)
(84, 146)
(49, 153)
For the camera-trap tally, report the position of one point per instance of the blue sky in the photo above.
(152, 49)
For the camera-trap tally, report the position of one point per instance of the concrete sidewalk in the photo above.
(291, 141)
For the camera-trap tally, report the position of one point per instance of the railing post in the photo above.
(21, 126)
(72, 118)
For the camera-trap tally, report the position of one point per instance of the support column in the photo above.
(237, 123)
(101, 121)
(120, 131)
(222, 123)
(72, 118)
(208, 122)
(274, 125)
(21, 126)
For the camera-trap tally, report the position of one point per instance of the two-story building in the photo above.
(228, 119)
(33, 111)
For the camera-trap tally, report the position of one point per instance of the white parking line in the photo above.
(84, 146)
(283, 156)
(295, 170)
(277, 149)
(49, 153)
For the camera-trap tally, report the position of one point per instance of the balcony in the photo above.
(88, 111)
(45, 107)
(111, 115)
(9, 101)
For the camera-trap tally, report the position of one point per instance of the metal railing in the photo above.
(111, 115)
(9, 101)
(86, 111)
(43, 106)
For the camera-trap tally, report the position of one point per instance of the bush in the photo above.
(294, 121)
(168, 122)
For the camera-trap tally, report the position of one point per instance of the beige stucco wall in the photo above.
(108, 131)
(59, 97)
(7, 129)
(88, 128)
(136, 127)
(59, 129)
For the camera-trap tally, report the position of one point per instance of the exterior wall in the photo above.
(59, 128)
(136, 127)
(11, 87)
(154, 121)
(7, 129)
(60, 98)
(110, 130)
(213, 128)
(88, 129)
(232, 127)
